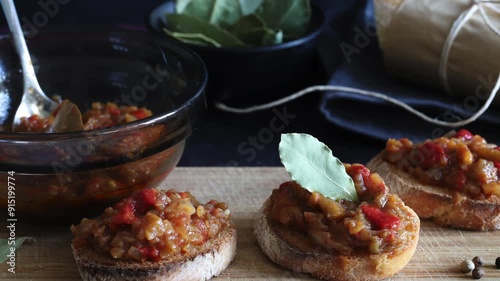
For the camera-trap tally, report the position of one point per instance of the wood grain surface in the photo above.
(438, 255)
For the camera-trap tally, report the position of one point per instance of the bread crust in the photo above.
(295, 251)
(446, 208)
(211, 261)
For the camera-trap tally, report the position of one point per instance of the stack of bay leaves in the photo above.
(238, 23)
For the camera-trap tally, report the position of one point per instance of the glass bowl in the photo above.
(69, 175)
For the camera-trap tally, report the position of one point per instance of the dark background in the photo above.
(224, 139)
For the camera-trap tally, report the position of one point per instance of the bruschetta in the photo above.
(369, 239)
(156, 235)
(453, 180)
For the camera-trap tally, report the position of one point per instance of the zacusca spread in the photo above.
(380, 222)
(153, 225)
(98, 117)
(459, 161)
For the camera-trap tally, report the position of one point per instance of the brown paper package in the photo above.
(412, 34)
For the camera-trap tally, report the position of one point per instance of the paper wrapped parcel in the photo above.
(449, 44)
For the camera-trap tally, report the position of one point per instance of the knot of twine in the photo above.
(478, 5)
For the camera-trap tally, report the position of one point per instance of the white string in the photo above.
(443, 74)
(386, 98)
(487, 19)
(452, 35)
(455, 29)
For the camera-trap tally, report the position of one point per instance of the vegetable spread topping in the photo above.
(459, 161)
(98, 117)
(153, 225)
(378, 223)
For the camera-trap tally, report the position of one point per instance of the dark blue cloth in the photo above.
(364, 69)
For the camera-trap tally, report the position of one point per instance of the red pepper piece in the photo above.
(150, 253)
(144, 199)
(464, 134)
(379, 218)
(497, 165)
(358, 169)
(139, 113)
(390, 237)
(184, 194)
(433, 154)
(114, 110)
(124, 216)
(33, 118)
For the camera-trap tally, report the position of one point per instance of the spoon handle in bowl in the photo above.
(10, 12)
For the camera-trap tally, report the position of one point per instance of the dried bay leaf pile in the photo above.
(238, 23)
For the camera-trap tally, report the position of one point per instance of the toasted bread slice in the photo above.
(210, 261)
(446, 208)
(295, 251)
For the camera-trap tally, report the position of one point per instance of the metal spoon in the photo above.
(34, 101)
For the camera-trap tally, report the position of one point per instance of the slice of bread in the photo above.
(446, 208)
(295, 251)
(215, 255)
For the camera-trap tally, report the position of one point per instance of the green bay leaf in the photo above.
(193, 38)
(311, 164)
(247, 22)
(180, 5)
(260, 37)
(5, 247)
(222, 13)
(252, 30)
(272, 37)
(184, 24)
(249, 6)
(290, 16)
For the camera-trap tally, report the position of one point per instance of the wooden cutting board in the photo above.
(438, 255)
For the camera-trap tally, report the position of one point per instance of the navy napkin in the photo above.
(375, 118)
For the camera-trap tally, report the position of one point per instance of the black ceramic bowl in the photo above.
(252, 75)
(74, 174)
